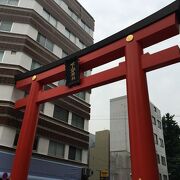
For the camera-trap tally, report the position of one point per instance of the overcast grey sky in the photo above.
(164, 84)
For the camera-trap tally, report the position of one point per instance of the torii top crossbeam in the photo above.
(129, 43)
(170, 9)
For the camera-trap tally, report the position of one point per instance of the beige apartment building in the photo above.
(99, 155)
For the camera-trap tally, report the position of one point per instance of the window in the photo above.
(49, 18)
(35, 145)
(77, 121)
(73, 15)
(13, 2)
(35, 65)
(1, 55)
(67, 33)
(155, 139)
(61, 82)
(158, 158)
(41, 39)
(155, 109)
(5, 26)
(81, 95)
(60, 113)
(70, 35)
(82, 24)
(13, 52)
(53, 21)
(64, 54)
(163, 160)
(49, 45)
(160, 176)
(78, 154)
(46, 14)
(91, 32)
(56, 149)
(45, 42)
(9, 2)
(161, 142)
(153, 120)
(3, 1)
(75, 18)
(81, 45)
(16, 139)
(58, 2)
(75, 153)
(159, 124)
(87, 73)
(165, 177)
(86, 28)
(41, 107)
(72, 38)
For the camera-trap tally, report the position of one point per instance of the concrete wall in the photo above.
(119, 133)
(120, 166)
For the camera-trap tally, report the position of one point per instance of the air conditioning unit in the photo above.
(86, 172)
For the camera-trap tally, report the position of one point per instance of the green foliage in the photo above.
(172, 143)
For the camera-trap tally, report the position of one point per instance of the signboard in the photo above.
(72, 72)
(104, 173)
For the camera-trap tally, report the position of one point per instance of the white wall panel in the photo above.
(18, 58)
(26, 29)
(84, 156)
(48, 109)
(43, 146)
(7, 136)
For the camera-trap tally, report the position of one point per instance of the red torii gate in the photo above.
(129, 43)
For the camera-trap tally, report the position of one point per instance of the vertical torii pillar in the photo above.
(140, 124)
(27, 135)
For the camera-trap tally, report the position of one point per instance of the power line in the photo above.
(115, 118)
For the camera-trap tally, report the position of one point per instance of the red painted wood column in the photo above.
(143, 154)
(27, 135)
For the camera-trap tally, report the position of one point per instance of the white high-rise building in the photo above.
(120, 166)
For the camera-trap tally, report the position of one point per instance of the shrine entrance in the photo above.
(130, 43)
